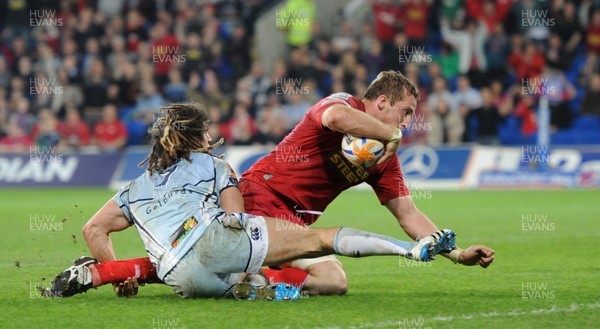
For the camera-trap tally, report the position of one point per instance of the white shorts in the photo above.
(230, 247)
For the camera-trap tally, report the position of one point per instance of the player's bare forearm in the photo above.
(100, 246)
(356, 123)
(96, 231)
(415, 223)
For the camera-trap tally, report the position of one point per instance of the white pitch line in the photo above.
(518, 312)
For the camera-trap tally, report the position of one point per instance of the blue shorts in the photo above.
(230, 247)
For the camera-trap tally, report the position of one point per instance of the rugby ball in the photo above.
(362, 151)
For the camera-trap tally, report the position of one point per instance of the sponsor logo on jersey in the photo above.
(352, 173)
(183, 231)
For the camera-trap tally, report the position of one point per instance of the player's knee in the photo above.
(338, 285)
(328, 279)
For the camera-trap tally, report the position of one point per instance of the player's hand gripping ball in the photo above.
(362, 151)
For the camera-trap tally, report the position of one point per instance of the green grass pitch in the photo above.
(546, 273)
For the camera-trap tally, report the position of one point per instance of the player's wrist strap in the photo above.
(454, 255)
(396, 135)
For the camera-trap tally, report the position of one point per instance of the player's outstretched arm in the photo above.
(416, 224)
(411, 219)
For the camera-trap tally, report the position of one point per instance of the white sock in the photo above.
(356, 243)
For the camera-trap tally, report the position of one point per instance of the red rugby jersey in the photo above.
(308, 169)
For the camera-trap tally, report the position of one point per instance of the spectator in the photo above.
(220, 66)
(527, 64)
(497, 93)
(446, 120)
(440, 93)
(415, 14)
(110, 133)
(165, 52)
(259, 85)
(176, 89)
(448, 61)
(557, 56)
(374, 59)
(194, 54)
(466, 95)
(567, 24)
(15, 52)
(4, 73)
(452, 10)
(489, 11)
(295, 109)
(297, 18)
(74, 131)
(452, 125)
(17, 89)
(94, 91)
(528, 23)
(433, 70)
(216, 128)
(592, 33)
(45, 133)
(71, 66)
(342, 41)
(148, 104)
(70, 95)
(237, 50)
(497, 48)
(118, 53)
(272, 127)
(526, 112)
(484, 120)
(589, 106)
(16, 140)
(469, 42)
(134, 30)
(126, 81)
(4, 112)
(240, 129)
(467, 99)
(299, 66)
(26, 75)
(367, 38)
(212, 95)
(92, 53)
(387, 15)
(559, 92)
(22, 116)
(43, 89)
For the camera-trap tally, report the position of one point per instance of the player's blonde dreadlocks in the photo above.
(178, 132)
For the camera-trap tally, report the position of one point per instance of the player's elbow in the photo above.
(91, 229)
(333, 118)
(88, 231)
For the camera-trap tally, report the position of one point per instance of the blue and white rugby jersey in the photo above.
(172, 209)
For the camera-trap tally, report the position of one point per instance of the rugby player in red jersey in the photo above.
(307, 171)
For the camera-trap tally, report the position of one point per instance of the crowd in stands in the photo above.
(79, 75)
